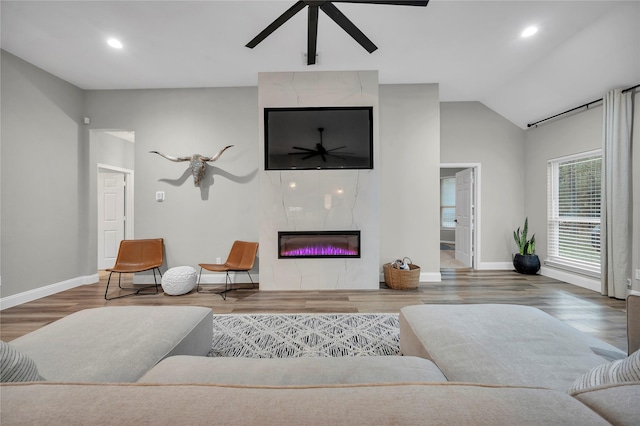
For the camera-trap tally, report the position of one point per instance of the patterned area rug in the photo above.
(305, 335)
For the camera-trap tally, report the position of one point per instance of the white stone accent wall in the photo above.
(319, 200)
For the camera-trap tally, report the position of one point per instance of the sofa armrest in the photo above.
(633, 322)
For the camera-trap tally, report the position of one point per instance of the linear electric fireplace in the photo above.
(322, 244)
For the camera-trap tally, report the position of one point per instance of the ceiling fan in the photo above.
(320, 150)
(333, 13)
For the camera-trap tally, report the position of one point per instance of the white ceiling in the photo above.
(471, 48)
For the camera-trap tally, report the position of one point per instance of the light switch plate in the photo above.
(160, 196)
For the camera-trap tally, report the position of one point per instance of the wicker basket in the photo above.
(400, 279)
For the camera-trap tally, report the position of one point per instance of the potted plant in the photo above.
(526, 261)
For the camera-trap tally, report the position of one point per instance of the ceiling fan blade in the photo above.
(389, 2)
(297, 7)
(333, 149)
(302, 153)
(324, 159)
(304, 149)
(338, 156)
(312, 35)
(348, 26)
(310, 155)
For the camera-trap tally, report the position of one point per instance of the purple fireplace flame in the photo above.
(321, 244)
(319, 251)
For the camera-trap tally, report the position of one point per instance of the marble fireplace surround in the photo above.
(319, 200)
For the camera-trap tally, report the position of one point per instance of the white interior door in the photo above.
(464, 216)
(111, 217)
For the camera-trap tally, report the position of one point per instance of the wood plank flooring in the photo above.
(583, 309)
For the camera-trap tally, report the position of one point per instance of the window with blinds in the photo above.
(448, 202)
(574, 191)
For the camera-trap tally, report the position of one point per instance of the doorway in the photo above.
(114, 212)
(459, 216)
(115, 197)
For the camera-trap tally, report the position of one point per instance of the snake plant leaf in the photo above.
(525, 246)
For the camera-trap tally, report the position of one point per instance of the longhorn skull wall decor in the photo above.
(197, 162)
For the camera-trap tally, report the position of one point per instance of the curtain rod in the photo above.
(577, 108)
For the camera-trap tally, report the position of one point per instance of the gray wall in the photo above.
(472, 133)
(409, 175)
(112, 150)
(573, 134)
(197, 223)
(41, 204)
(49, 167)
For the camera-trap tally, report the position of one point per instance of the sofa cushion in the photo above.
(620, 371)
(384, 404)
(293, 371)
(16, 366)
(118, 343)
(617, 404)
(503, 344)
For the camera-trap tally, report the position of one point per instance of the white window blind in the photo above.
(448, 202)
(574, 191)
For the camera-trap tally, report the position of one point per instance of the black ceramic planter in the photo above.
(527, 264)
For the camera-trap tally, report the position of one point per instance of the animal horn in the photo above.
(214, 158)
(168, 157)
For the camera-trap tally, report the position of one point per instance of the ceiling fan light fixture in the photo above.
(529, 31)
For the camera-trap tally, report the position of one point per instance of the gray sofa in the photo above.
(116, 344)
(462, 364)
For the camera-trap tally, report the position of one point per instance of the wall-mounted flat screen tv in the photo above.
(318, 138)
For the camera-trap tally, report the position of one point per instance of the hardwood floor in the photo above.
(583, 309)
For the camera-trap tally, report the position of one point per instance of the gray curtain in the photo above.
(615, 228)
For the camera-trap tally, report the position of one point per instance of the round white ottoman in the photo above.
(179, 280)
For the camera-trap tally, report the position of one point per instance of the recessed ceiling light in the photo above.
(115, 43)
(528, 32)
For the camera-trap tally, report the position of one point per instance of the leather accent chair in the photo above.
(137, 256)
(241, 259)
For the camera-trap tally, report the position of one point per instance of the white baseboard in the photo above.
(142, 278)
(575, 279)
(430, 277)
(48, 290)
(495, 266)
(236, 277)
(240, 277)
(425, 277)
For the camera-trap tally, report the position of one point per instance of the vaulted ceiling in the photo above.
(472, 49)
